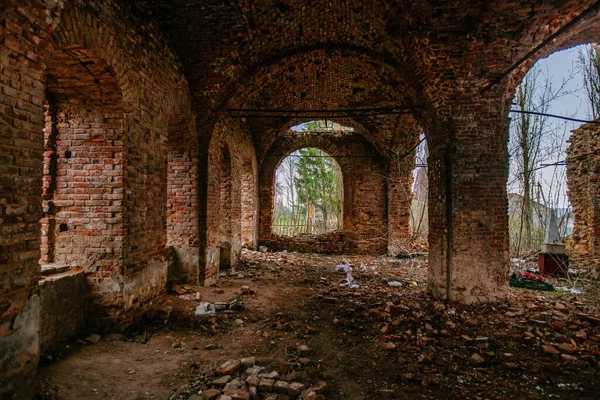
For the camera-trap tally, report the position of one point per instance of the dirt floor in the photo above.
(371, 341)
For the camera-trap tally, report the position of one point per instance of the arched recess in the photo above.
(182, 200)
(82, 219)
(249, 199)
(225, 208)
(365, 191)
(333, 76)
(109, 103)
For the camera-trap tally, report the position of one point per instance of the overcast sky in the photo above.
(559, 67)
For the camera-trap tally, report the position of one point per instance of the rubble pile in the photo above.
(367, 327)
(243, 380)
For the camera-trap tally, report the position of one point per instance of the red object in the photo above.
(553, 264)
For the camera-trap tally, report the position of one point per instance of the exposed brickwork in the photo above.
(249, 200)
(112, 79)
(82, 222)
(96, 60)
(583, 174)
(23, 30)
(327, 243)
(182, 200)
(231, 152)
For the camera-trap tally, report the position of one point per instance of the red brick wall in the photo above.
(327, 243)
(22, 32)
(83, 195)
(468, 221)
(182, 200)
(112, 186)
(230, 192)
(249, 198)
(436, 57)
(583, 174)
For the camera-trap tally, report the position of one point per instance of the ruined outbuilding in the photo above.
(138, 139)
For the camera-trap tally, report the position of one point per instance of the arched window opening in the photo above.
(564, 84)
(308, 194)
(321, 125)
(419, 221)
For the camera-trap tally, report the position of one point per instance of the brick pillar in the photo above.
(21, 148)
(583, 173)
(468, 222)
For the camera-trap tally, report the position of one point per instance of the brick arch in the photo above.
(391, 74)
(82, 187)
(279, 128)
(233, 135)
(75, 76)
(379, 79)
(128, 69)
(363, 231)
(576, 40)
(83, 34)
(330, 76)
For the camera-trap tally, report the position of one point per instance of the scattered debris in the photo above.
(530, 280)
(349, 282)
(344, 267)
(378, 341)
(568, 289)
(243, 380)
(93, 338)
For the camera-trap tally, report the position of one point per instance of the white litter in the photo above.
(344, 267)
(567, 289)
(349, 282)
(205, 309)
(395, 284)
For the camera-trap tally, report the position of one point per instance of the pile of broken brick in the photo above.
(244, 380)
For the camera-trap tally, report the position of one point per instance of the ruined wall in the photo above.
(23, 32)
(249, 189)
(182, 201)
(82, 188)
(139, 79)
(468, 217)
(230, 189)
(65, 306)
(583, 178)
(327, 243)
(365, 206)
(96, 50)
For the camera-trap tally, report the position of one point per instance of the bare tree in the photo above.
(588, 63)
(532, 142)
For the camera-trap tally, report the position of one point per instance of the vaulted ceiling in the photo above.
(341, 54)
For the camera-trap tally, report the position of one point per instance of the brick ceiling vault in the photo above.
(355, 53)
